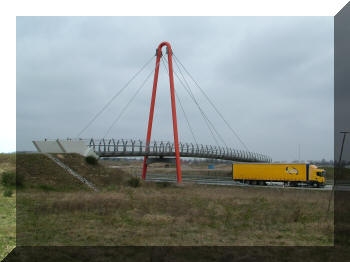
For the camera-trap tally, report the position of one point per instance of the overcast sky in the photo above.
(271, 77)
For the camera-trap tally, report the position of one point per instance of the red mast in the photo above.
(173, 108)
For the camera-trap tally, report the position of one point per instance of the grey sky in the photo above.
(271, 77)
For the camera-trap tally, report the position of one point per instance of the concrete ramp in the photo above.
(64, 146)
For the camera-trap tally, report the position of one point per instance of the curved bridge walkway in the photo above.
(127, 147)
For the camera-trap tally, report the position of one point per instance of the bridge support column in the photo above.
(173, 108)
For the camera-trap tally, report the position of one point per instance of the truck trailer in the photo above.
(289, 174)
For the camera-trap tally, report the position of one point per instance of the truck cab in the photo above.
(317, 176)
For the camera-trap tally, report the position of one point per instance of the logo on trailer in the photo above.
(292, 170)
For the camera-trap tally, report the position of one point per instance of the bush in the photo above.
(134, 182)
(46, 188)
(7, 193)
(8, 179)
(163, 184)
(91, 160)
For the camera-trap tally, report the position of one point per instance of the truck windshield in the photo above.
(321, 173)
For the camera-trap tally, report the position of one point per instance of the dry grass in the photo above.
(157, 214)
(187, 215)
(7, 162)
(99, 175)
(342, 215)
(7, 209)
(39, 172)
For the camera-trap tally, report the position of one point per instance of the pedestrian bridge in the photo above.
(130, 147)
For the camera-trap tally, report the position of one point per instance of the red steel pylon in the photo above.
(173, 108)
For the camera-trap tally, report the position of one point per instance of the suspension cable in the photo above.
(188, 122)
(204, 115)
(182, 109)
(128, 104)
(114, 97)
(212, 104)
(209, 124)
(200, 109)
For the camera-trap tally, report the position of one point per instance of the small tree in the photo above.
(134, 182)
(91, 160)
(7, 193)
(8, 179)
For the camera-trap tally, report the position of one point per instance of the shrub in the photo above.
(46, 188)
(7, 193)
(91, 160)
(134, 182)
(8, 179)
(163, 184)
(112, 188)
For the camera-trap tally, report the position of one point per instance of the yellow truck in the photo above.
(289, 174)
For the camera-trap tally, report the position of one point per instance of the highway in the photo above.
(224, 181)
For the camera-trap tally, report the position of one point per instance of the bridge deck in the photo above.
(126, 148)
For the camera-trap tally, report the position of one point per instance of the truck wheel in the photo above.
(315, 184)
(293, 184)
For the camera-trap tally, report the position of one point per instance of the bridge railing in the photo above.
(130, 147)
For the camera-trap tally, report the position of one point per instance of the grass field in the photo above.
(53, 208)
(187, 215)
(7, 209)
(7, 224)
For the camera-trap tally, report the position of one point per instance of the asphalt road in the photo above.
(225, 181)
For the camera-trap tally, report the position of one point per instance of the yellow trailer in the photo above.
(290, 174)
